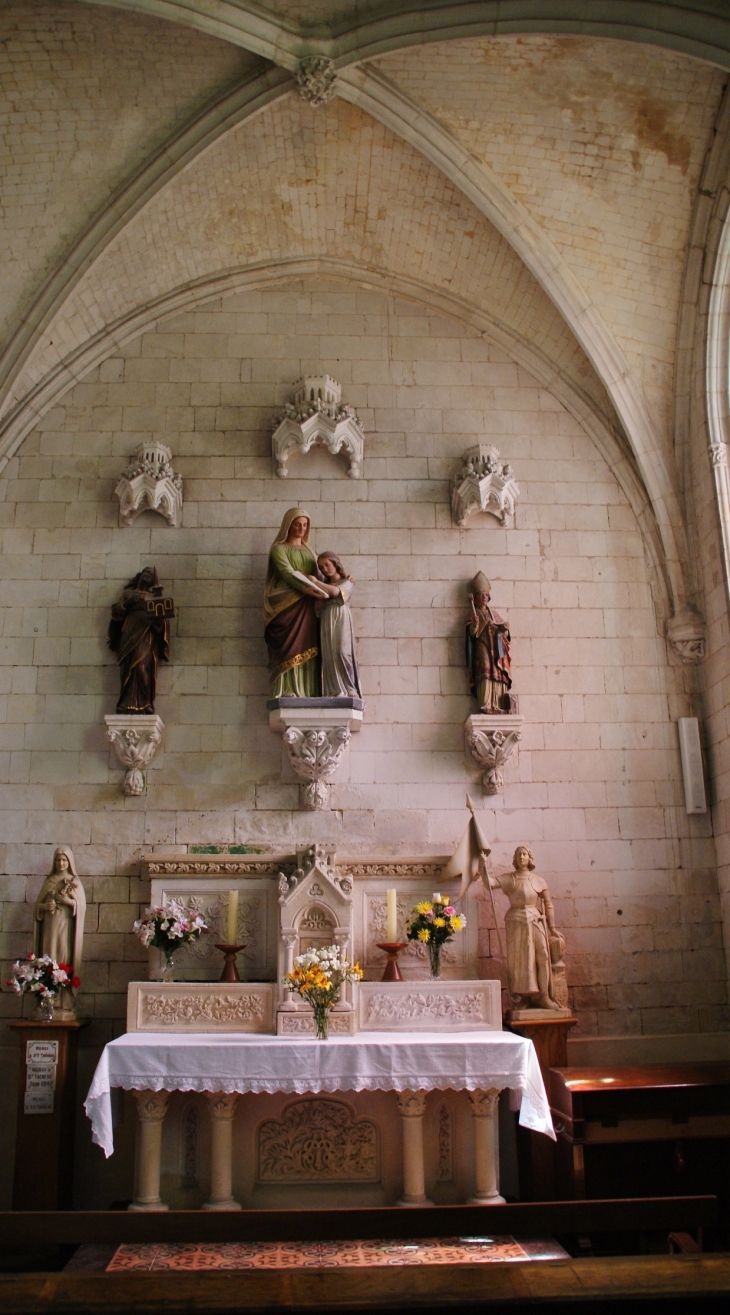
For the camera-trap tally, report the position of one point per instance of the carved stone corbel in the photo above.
(316, 734)
(687, 635)
(135, 740)
(492, 739)
(315, 755)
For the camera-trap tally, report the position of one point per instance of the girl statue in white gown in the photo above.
(336, 635)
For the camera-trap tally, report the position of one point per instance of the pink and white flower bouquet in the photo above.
(168, 927)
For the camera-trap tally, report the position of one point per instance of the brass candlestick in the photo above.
(230, 971)
(391, 972)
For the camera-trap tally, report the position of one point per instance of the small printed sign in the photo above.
(41, 1052)
(40, 1077)
(38, 1102)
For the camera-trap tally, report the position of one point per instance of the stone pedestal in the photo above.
(492, 738)
(44, 1141)
(135, 740)
(536, 1155)
(548, 1030)
(316, 733)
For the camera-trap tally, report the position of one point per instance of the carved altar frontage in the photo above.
(238, 1104)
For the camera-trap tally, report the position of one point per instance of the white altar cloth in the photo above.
(376, 1061)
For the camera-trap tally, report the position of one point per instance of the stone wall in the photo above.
(596, 790)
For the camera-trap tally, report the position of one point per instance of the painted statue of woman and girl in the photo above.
(309, 631)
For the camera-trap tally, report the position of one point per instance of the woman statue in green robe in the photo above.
(289, 611)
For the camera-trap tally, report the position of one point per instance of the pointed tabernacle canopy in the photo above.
(464, 862)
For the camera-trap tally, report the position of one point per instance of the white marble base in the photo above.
(430, 1006)
(201, 1007)
(300, 1022)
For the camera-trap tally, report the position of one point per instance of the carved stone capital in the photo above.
(135, 740)
(484, 1104)
(411, 1104)
(492, 739)
(221, 1104)
(316, 79)
(718, 454)
(483, 483)
(151, 1105)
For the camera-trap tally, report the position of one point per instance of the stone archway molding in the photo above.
(698, 28)
(609, 440)
(717, 385)
(381, 98)
(253, 95)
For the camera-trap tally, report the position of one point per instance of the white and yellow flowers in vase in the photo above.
(317, 977)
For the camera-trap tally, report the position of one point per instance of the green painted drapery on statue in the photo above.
(289, 616)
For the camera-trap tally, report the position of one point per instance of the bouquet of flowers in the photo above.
(42, 976)
(317, 976)
(433, 923)
(169, 927)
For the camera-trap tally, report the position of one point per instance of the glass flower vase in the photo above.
(434, 954)
(321, 1021)
(168, 968)
(45, 1008)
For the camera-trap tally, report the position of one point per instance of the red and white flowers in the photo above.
(41, 975)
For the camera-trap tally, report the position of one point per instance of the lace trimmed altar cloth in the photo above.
(377, 1061)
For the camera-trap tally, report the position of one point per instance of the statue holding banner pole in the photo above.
(534, 958)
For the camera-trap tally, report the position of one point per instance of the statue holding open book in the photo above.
(309, 630)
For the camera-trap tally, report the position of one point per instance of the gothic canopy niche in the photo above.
(318, 416)
(484, 483)
(150, 484)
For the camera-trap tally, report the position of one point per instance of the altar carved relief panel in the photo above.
(318, 1140)
(200, 1007)
(441, 1006)
(257, 924)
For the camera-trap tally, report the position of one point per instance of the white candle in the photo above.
(232, 929)
(392, 934)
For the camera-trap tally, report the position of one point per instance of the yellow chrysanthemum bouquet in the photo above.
(432, 923)
(317, 976)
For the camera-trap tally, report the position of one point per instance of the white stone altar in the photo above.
(321, 1114)
(315, 1122)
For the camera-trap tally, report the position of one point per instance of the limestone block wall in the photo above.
(596, 789)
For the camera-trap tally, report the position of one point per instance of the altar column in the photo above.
(485, 1111)
(151, 1111)
(222, 1108)
(412, 1107)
